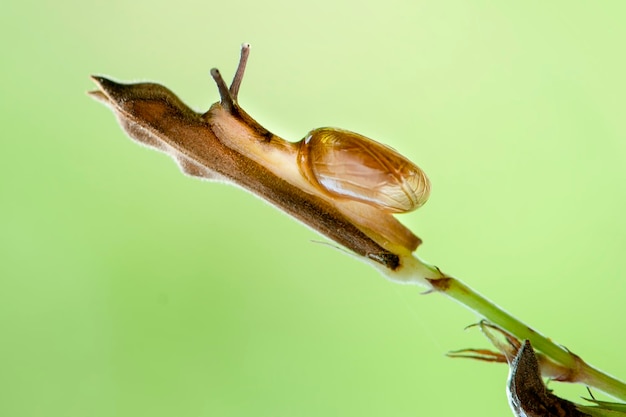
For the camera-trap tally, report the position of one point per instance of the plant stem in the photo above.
(418, 272)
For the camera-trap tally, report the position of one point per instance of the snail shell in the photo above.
(348, 165)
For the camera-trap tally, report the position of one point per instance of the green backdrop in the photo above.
(128, 289)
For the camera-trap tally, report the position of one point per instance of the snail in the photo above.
(334, 162)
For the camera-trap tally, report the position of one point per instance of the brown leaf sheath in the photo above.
(153, 115)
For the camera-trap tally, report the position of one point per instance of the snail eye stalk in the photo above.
(229, 95)
(241, 68)
(227, 100)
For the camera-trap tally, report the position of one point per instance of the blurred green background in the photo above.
(128, 289)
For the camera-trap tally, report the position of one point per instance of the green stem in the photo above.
(419, 272)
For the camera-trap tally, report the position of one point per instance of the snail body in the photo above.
(362, 180)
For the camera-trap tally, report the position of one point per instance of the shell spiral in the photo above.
(348, 165)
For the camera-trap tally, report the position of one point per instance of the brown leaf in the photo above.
(528, 395)
(152, 115)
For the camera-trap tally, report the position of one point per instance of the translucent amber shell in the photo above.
(348, 165)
